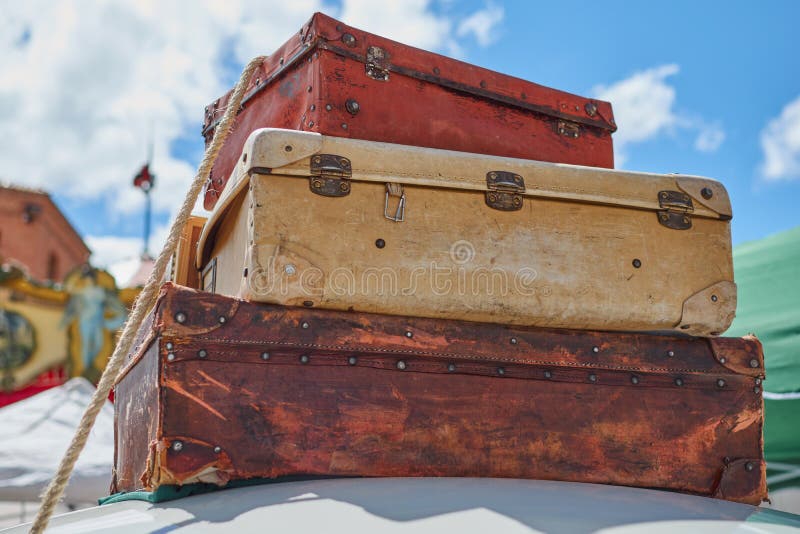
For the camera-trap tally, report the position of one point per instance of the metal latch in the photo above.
(377, 65)
(330, 175)
(676, 210)
(568, 129)
(505, 190)
(395, 190)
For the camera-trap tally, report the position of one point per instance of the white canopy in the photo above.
(35, 433)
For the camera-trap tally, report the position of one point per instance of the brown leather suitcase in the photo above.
(219, 389)
(337, 80)
(347, 224)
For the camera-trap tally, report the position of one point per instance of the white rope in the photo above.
(144, 302)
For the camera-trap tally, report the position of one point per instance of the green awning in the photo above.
(767, 273)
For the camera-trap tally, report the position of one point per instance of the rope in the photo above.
(144, 302)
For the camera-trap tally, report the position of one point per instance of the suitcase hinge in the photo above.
(505, 190)
(330, 175)
(377, 65)
(568, 129)
(676, 210)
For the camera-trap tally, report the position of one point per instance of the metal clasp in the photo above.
(677, 208)
(504, 190)
(395, 190)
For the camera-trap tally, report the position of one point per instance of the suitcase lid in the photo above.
(331, 164)
(382, 57)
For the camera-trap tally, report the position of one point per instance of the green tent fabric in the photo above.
(767, 273)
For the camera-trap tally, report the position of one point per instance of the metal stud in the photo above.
(707, 193)
(679, 382)
(720, 383)
(265, 356)
(592, 377)
(513, 341)
(177, 446)
(202, 353)
(637, 263)
(501, 371)
(352, 106)
(290, 269)
(217, 449)
(409, 334)
(548, 374)
(170, 345)
(222, 319)
(451, 368)
(328, 107)
(304, 325)
(722, 360)
(758, 381)
(634, 379)
(304, 358)
(352, 360)
(753, 363)
(180, 317)
(401, 365)
(349, 40)
(170, 356)
(714, 298)
(756, 389)
(595, 349)
(749, 466)
(670, 353)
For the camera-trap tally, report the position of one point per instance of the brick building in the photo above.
(34, 234)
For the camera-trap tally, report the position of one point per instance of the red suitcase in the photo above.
(337, 80)
(220, 389)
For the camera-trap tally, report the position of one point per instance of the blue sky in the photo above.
(723, 70)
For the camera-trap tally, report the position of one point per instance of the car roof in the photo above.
(422, 505)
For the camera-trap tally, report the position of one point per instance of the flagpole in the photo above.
(146, 222)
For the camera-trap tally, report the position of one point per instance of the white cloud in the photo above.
(644, 108)
(82, 87)
(482, 24)
(710, 138)
(780, 142)
(121, 255)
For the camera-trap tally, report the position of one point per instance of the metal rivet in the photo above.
(749, 466)
(679, 382)
(757, 389)
(170, 345)
(637, 263)
(244, 157)
(592, 377)
(308, 88)
(349, 40)
(451, 368)
(222, 319)
(352, 106)
(409, 334)
(720, 383)
(304, 358)
(177, 446)
(288, 148)
(686, 327)
(591, 108)
(344, 126)
(726, 460)
(265, 356)
(290, 269)
(714, 298)
(304, 325)
(634, 380)
(722, 359)
(352, 360)
(513, 341)
(501, 371)
(202, 353)
(436, 70)
(310, 124)
(483, 84)
(217, 449)
(595, 349)
(758, 381)
(180, 317)
(707, 193)
(753, 363)
(281, 61)
(670, 353)
(328, 107)
(380, 243)
(170, 356)
(313, 107)
(308, 303)
(548, 374)
(401, 365)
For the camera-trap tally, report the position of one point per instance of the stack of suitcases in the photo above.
(418, 267)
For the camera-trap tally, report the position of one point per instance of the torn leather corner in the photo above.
(709, 312)
(743, 480)
(180, 460)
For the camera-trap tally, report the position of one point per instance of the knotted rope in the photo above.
(144, 302)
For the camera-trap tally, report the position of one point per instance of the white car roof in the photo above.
(426, 505)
